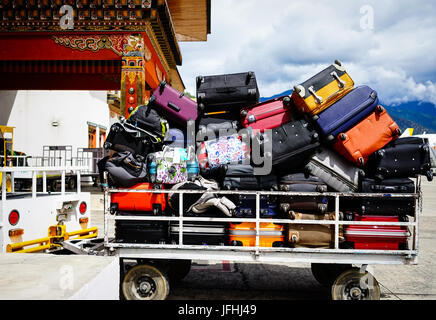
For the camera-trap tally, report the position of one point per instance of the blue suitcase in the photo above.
(246, 207)
(346, 112)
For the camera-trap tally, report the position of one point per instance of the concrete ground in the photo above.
(245, 281)
(27, 276)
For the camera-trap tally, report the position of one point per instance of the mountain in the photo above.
(415, 114)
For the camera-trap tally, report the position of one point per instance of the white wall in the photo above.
(34, 111)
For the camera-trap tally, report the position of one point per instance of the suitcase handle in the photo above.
(341, 83)
(226, 90)
(318, 99)
(173, 106)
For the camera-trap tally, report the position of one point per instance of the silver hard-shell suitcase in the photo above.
(336, 172)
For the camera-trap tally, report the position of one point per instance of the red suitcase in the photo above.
(139, 201)
(377, 237)
(173, 104)
(367, 137)
(268, 114)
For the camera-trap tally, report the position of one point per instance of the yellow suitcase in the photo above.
(322, 90)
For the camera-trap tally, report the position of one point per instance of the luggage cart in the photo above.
(156, 263)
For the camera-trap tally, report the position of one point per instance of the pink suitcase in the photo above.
(173, 104)
(268, 114)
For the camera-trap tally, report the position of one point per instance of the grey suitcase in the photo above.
(335, 171)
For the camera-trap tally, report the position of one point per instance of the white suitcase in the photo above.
(335, 171)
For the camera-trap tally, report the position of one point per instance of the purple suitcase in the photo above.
(173, 104)
(347, 112)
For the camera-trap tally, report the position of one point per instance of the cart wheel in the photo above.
(326, 273)
(71, 183)
(355, 285)
(145, 282)
(178, 269)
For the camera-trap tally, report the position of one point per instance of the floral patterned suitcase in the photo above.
(172, 166)
(222, 151)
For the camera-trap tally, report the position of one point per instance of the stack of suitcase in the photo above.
(327, 136)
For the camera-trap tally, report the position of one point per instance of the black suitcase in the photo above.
(122, 139)
(227, 92)
(210, 128)
(141, 231)
(241, 177)
(388, 205)
(200, 233)
(292, 145)
(402, 158)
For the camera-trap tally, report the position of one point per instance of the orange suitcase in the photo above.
(139, 201)
(368, 136)
(244, 234)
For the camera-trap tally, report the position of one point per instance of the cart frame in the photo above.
(334, 255)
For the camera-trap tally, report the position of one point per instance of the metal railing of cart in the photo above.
(263, 254)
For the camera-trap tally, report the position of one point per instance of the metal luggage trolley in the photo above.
(156, 263)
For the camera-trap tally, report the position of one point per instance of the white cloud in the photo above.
(285, 42)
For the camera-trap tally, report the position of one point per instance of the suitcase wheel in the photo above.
(236, 243)
(330, 138)
(297, 90)
(244, 113)
(379, 109)
(362, 173)
(338, 63)
(315, 117)
(278, 244)
(343, 136)
(361, 161)
(286, 101)
(429, 175)
(201, 106)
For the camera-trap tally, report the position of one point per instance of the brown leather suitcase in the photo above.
(367, 137)
(312, 235)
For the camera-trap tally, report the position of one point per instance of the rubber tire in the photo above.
(327, 273)
(71, 184)
(160, 279)
(178, 270)
(354, 276)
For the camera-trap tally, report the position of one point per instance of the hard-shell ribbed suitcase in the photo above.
(139, 201)
(322, 90)
(241, 177)
(372, 237)
(268, 114)
(244, 234)
(388, 205)
(246, 206)
(200, 233)
(227, 91)
(345, 113)
(141, 231)
(368, 136)
(311, 235)
(173, 104)
(335, 171)
(402, 158)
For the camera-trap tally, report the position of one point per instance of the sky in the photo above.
(386, 44)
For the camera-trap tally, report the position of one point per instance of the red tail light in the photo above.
(14, 217)
(82, 207)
